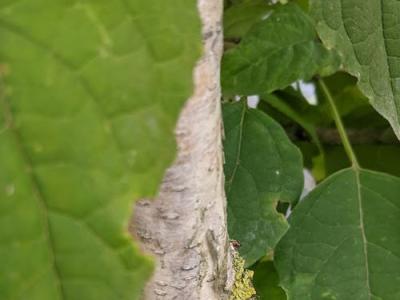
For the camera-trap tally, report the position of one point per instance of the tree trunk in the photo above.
(185, 227)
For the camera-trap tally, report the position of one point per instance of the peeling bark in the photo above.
(185, 227)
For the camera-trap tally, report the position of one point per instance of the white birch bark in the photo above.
(185, 227)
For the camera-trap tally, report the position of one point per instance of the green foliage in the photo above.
(83, 132)
(283, 103)
(383, 158)
(343, 237)
(277, 51)
(241, 16)
(262, 167)
(90, 91)
(348, 98)
(343, 241)
(266, 282)
(366, 34)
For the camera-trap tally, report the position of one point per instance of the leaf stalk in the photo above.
(339, 124)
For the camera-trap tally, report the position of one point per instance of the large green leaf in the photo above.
(367, 34)
(262, 167)
(344, 241)
(276, 52)
(83, 132)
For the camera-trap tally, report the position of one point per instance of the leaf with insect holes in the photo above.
(84, 132)
(262, 167)
(344, 241)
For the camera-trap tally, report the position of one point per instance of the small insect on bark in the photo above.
(235, 244)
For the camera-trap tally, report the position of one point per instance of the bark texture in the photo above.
(185, 227)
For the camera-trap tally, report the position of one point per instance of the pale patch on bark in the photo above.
(185, 227)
